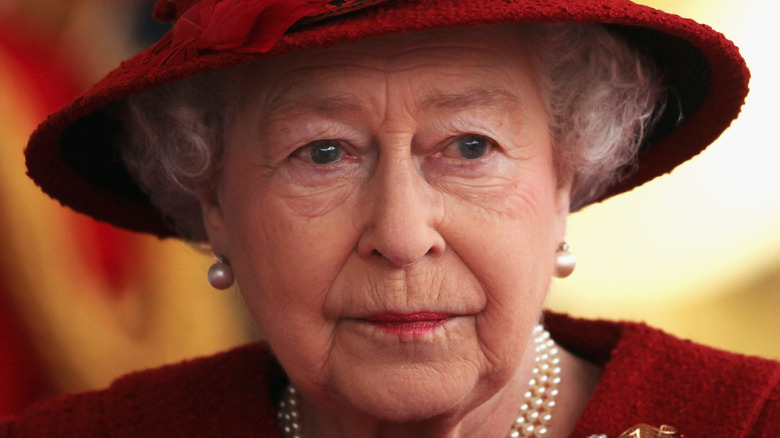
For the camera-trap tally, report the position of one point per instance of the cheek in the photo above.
(285, 250)
(507, 241)
(285, 264)
(511, 225)
(284, 257)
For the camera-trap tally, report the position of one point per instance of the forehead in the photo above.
(478, 62)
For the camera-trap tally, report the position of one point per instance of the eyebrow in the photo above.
(326, 106)
(474, 98)
(337, 106)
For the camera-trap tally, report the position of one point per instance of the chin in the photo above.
(413, 394)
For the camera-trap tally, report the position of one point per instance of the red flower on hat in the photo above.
(249, 26)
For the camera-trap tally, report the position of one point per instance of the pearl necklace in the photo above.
(535, 412)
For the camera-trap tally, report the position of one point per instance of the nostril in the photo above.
(397, 260)
(403, 260)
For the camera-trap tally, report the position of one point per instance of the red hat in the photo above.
(71, 155)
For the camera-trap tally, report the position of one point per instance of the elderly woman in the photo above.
(388, 184)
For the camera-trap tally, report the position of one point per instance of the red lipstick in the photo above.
(409, 324)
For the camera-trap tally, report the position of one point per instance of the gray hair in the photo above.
(601, 98)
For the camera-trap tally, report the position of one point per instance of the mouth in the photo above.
(408, 324)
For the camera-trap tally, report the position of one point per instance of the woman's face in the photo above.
(391, 211)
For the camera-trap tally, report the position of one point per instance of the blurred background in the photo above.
(696, 253)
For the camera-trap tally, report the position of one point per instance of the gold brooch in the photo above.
(645, 431)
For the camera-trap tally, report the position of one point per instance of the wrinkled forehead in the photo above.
(469, 63)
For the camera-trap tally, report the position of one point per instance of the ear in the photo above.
(214, 223)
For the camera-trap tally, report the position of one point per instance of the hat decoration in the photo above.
(241, 26)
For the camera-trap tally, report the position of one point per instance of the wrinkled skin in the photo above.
(400, 175)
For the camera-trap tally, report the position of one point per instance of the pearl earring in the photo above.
(564, 261)
(220, 274)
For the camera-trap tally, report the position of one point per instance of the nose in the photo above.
(403, 211)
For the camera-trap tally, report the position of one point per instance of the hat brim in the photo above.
(71, 155)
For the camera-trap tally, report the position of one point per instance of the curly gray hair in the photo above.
(601, 98)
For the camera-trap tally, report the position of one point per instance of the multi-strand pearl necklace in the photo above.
(535, 412)
(539, 400)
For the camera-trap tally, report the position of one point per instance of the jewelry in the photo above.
(288, 415)
(535, 412)
(221, 274)
(564, 261)
(537, 407)
(646, 431)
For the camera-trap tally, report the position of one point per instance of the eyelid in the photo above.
(292, 135)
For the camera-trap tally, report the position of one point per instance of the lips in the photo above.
(409, 324)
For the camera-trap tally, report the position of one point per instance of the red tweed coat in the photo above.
(649, 377)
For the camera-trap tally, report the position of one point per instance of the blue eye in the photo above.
(472, 146)
(325, 152)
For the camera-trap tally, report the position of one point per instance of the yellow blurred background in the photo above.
(695, 253)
